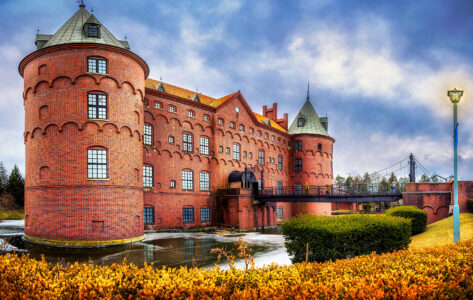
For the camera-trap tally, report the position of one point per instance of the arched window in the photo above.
(191, 114)
(227, 150)
(172, 184)
(220, 149)
(266, 136)
(171, 139)
(236, 151)
(220, 121)
(232, 125)
(96, 163)
(148, 135)
(272, 138)
(204, 181)
(204, 145)
(158, 105)
(250, 155)
(300, 122)
(261, 157)
(258, 133)
(148, 178)
(242, 127)
(187, 142)
(172, 109)
(96, 106)
(319, 147)
(187, 180)
(280, 212)
(252, 131)
(206, 118)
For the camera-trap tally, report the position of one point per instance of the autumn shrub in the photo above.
(469, 203)
(416, 215)
(12, 214)
(444, 272)
(339, 237)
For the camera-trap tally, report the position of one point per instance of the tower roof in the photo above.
(311, 122)
(73, 32)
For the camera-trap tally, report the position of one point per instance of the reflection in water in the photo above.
(162, 249)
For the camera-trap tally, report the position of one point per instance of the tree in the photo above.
(348, 183)
(16, 186)
(392, 178)
(366, 178)
(339, 181)
(383, 185)
(424, 178)
(3, 178)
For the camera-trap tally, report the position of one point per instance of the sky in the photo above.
(380, 70)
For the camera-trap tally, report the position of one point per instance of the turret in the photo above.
(83, 98)
(312, 149)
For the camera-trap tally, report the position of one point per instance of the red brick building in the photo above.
(111, 152)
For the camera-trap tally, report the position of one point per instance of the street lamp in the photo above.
(455, 96)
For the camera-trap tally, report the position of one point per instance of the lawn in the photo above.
(441, 232)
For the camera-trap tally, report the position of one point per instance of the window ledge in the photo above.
(97, 179)
(95, 73)
(91, 119)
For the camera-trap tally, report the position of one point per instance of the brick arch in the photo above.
(199, 125)
(160, 117)
(40, 84)
(189, 124)
(84, 77)
(176, 120)
(236, 134)
(150, 116)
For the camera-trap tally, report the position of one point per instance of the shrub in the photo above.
(469, 203)
(339, 237)
(416, 215)
(12, 214)
(444, 272)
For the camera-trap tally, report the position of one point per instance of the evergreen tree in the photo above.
(424, 178)
(349, 183)
(366, 178)
(3, 178)
(339, 181)
(383, 185)
(434, 179)
(392, 178)
(16, 186)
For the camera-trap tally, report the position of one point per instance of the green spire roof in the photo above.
(308, 121)
(73, 31)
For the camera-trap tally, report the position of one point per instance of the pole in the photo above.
(456, 208)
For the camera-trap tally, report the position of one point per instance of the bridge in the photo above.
(359, 193)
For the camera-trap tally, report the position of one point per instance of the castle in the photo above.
(111, 152)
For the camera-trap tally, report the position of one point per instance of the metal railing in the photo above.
(356, 189)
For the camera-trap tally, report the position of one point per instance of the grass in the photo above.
(12, 215)
(441, 232)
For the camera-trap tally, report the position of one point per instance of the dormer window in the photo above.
(300, 122)
(92, 30)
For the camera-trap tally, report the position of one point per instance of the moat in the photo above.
(171, 249)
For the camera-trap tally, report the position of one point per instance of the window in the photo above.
(272, 138)
(147, 176)
(204, 181)
(300, 122)
(220, 121)
(97, 106)
(261, 157)
(171, 139)
(266, 136)
(236, 152)
(172, 184)
(158, 105)
(242, 127)
(97, 163)
(244, 154)
(298, 165)
(227, 150)
(188, 215)
(319, 147)
(172, 109)
(149, 215)
(206, 118)
(220, 149)
(280, 162)
(279, 139)
(237, 109)
(280, 213)
(204, 214)
(252, 131)
(298, 189)
(279, 188)
(92, 30)
(259, 133)
(187, 180)
(95, 65)
(187, 142)
(298, 145)
(204, 145)
(191, 114)
(148, 136)
(232, 125)
(250, 155)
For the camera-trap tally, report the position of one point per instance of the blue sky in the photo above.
(379, 69)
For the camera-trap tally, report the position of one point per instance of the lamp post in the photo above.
(455, 96)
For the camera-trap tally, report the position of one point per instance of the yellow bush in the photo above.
(12, 214)
(442, 272)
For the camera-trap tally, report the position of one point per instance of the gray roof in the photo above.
(312, 123)
(73, 32)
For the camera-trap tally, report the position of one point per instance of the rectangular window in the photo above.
(97, 163)
(97, 106)
(236, 152)
(298, 165)
(158, 105)
(298, 145)
(187, 142)
(261, 157)
(232, 124)
(93, 30)
(188, 215)
(220, 121)
(172, 184)
(148, 176)
(280, 162)
(149, 215)
(206, 118)
(280, 213)
(97, 65)
(187, 180)
(204, 181)
(172, 108)
(148, 135)
(191, 114)
(250, 155)
(252, 131)
(171, 140)
(279, 188)
(220, 149)
(204, 214)
(204, 145)
(298, 189)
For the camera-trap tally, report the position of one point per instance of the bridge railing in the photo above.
(356, 189)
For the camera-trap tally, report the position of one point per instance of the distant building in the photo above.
(111, 152)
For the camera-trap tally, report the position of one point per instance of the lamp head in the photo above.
(455, 95)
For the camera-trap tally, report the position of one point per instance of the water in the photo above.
(161, 249)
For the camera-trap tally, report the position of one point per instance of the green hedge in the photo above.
(417, 215)
(339, 237)
(469, 202)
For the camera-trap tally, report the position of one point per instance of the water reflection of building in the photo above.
(110, 151)
(148, 253)
(188, 247)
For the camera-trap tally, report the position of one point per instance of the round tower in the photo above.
(83, 98)
(312, 155)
